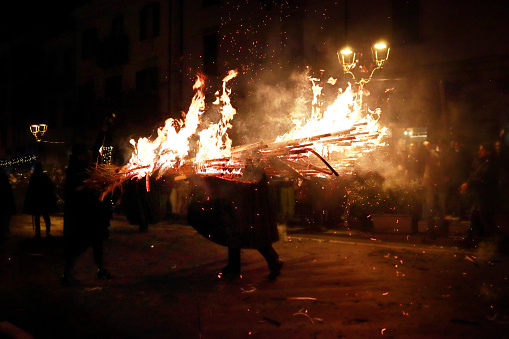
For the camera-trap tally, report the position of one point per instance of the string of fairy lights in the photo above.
(19, 161)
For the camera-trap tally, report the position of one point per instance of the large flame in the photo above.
(214, 141)
(346, 116)
(171, 147)
(339, 133)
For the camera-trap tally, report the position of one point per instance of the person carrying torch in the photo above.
(236, 214)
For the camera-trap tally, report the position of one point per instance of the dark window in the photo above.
(51, 113)
(117, 26)
(89, 43)
(406, 21)
(149, 21)
(86, 95)
(207, 3)
(146, 80)
(210, 53)
(4, 68)
(69, 116)
(68, 69)
(113, 87)
(52, 74)
(4, 100)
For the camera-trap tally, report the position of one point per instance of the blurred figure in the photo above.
(433, 182)
(238, 215)
(502, 159)
(483, 185)
(178, 198)
(414, 163)
(85, 220)
(40, 200)
(287, 195)
(7, 205)
(139, 203)
(456, 169)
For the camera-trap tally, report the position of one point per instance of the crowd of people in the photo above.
(452, 181)
(460, 183)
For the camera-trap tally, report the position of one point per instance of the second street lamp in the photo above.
(347, 60)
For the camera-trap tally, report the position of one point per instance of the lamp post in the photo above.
(38, 131)
(347, 60)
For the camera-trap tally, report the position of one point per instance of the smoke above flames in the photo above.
(335, 126)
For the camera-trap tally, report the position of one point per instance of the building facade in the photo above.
(448, 68)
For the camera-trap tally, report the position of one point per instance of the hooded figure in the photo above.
(236, 214)
(86, 221)
(483, 186)
(40, 199)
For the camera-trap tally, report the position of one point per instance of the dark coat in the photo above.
(85, 218)
(483, 184)
(7, 201)
(40, 197)
(139, 204)
(7, 204)
(232, 213)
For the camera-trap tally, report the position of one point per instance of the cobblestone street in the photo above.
(333, 285)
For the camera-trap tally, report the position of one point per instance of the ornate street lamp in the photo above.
(380, 54)
(38, 131)
(347, 60)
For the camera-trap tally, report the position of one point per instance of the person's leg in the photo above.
(47, 221)
(272, 258)
(70, 257)
(233, 266)
(37, 224)
(442, 207)
(475, 225)
(98, 250)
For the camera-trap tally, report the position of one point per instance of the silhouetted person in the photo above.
(456, 169)
(85, 219)
(414, 163)
(236, 214)
(502, 157)
(433, 182)
(483, 185)
(7, 204)
(40, 199)
(138, 203)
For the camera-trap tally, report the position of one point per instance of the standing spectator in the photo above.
(414, 163)
(7, 204)
(40, 200)
(434, 189)
(502, 159)
(85, 219)
(456, 168)
(483, 184)
(287, 194)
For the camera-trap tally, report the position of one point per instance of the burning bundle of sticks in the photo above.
(302, 158)
(306, 151)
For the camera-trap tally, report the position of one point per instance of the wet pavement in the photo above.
(335, 284)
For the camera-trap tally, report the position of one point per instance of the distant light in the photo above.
(380, 45)
(346, 51)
